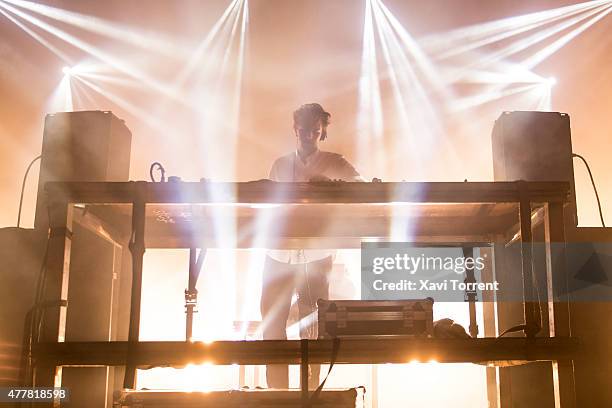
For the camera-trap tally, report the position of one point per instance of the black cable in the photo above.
(539, 311)
(25, 362)
(603, 224)
(32, 323)
(332, 362)
(25, 177)
(538, 324)
(513, 329)
(161, 170)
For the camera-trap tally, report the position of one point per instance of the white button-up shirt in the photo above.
(291, 168)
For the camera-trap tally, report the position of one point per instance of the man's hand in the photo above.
(319, 178)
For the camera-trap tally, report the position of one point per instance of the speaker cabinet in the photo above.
(535, 146)
(88, 146)
(530, 146)
(82, 146)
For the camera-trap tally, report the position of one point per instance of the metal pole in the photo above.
(470, 295)
(137, 248)
(304, 372)
(532, 325)
(191, 295)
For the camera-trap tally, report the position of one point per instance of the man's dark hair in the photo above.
(310, 113)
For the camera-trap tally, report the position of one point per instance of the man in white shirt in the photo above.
(305, 272)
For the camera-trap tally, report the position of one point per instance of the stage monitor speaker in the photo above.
(82, 146)
(530, 146)
(88, 146)
(535, 146)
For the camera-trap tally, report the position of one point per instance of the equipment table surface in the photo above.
(307, 215)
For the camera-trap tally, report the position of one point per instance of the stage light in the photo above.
(61, 99)
(36, 36)
(415, 81)
(543, 94)
(471, 65)
(139, 77)
(241, 55)
(109, 60)
(369, 117)
(230, 12)
(550, 49)
(487, 60)
(471, 37)
(481, 98)
(151, 41)
(413, 49)
(143, 115)
(67, 70)
(117, 63)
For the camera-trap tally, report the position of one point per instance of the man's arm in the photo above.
(274, 171)
(348, 172)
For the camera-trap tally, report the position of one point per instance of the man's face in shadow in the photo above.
(308, 135)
